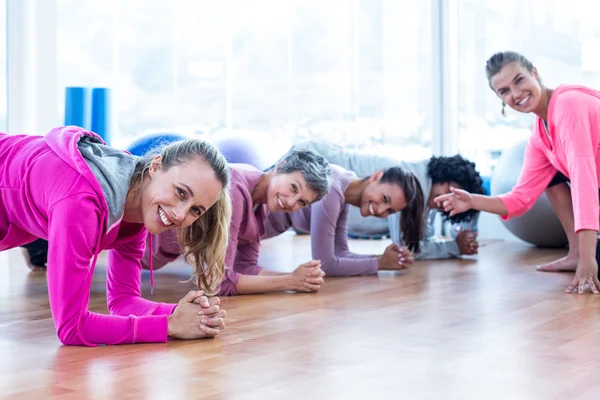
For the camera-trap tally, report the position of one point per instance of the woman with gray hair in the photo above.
(379, 195)
(297, 180)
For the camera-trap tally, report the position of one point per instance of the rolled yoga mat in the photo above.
(77, 107)
(101, 113)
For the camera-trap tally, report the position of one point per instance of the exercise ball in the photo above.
(540, 225)
(147, 142)
(237, 149)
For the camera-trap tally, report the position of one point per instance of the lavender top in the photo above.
(327, 222)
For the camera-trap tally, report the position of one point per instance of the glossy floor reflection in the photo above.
(491, 327)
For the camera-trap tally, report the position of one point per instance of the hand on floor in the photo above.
(196, 317)
(308, 277)
(395, 258)
(587, 272)
(211, 311)
(467, 242)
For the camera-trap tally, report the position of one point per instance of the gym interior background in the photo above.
(399, 77)
(393, 76)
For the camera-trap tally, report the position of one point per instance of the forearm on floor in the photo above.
(255, 284)
(268, 272)
(433, 249)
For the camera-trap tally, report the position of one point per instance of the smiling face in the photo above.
(518, 88)
(178, 196)
(288, 192)
(381, 199)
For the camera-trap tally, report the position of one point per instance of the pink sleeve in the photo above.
(577, 120)
(329, 239)
(536, 174)
(123, 280)
(240, 259)
(72, 240)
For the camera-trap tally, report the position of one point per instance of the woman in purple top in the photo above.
(381, 194)
(299, 179)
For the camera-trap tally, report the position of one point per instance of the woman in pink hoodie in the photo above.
(563, 147)
(84, 197)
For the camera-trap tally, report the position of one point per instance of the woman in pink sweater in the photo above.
(563, 147)
(299, 179)
(84, 197)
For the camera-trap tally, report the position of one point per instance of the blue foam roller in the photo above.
(101, 113)
(77, 107)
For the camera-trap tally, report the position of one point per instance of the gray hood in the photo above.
(113, 168)
(365, 164)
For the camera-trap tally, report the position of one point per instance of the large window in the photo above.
(363, 73)
(561, 38)
(356, 72)
(164, 61)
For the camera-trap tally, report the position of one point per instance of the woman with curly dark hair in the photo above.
(435, 176)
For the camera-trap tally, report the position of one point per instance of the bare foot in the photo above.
(33, 267)
(564, 264)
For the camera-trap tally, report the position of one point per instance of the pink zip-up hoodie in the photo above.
(47, 190)
(571, 146)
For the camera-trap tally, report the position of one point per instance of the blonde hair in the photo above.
(204, 243)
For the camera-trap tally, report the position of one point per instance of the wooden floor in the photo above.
(489, 328)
